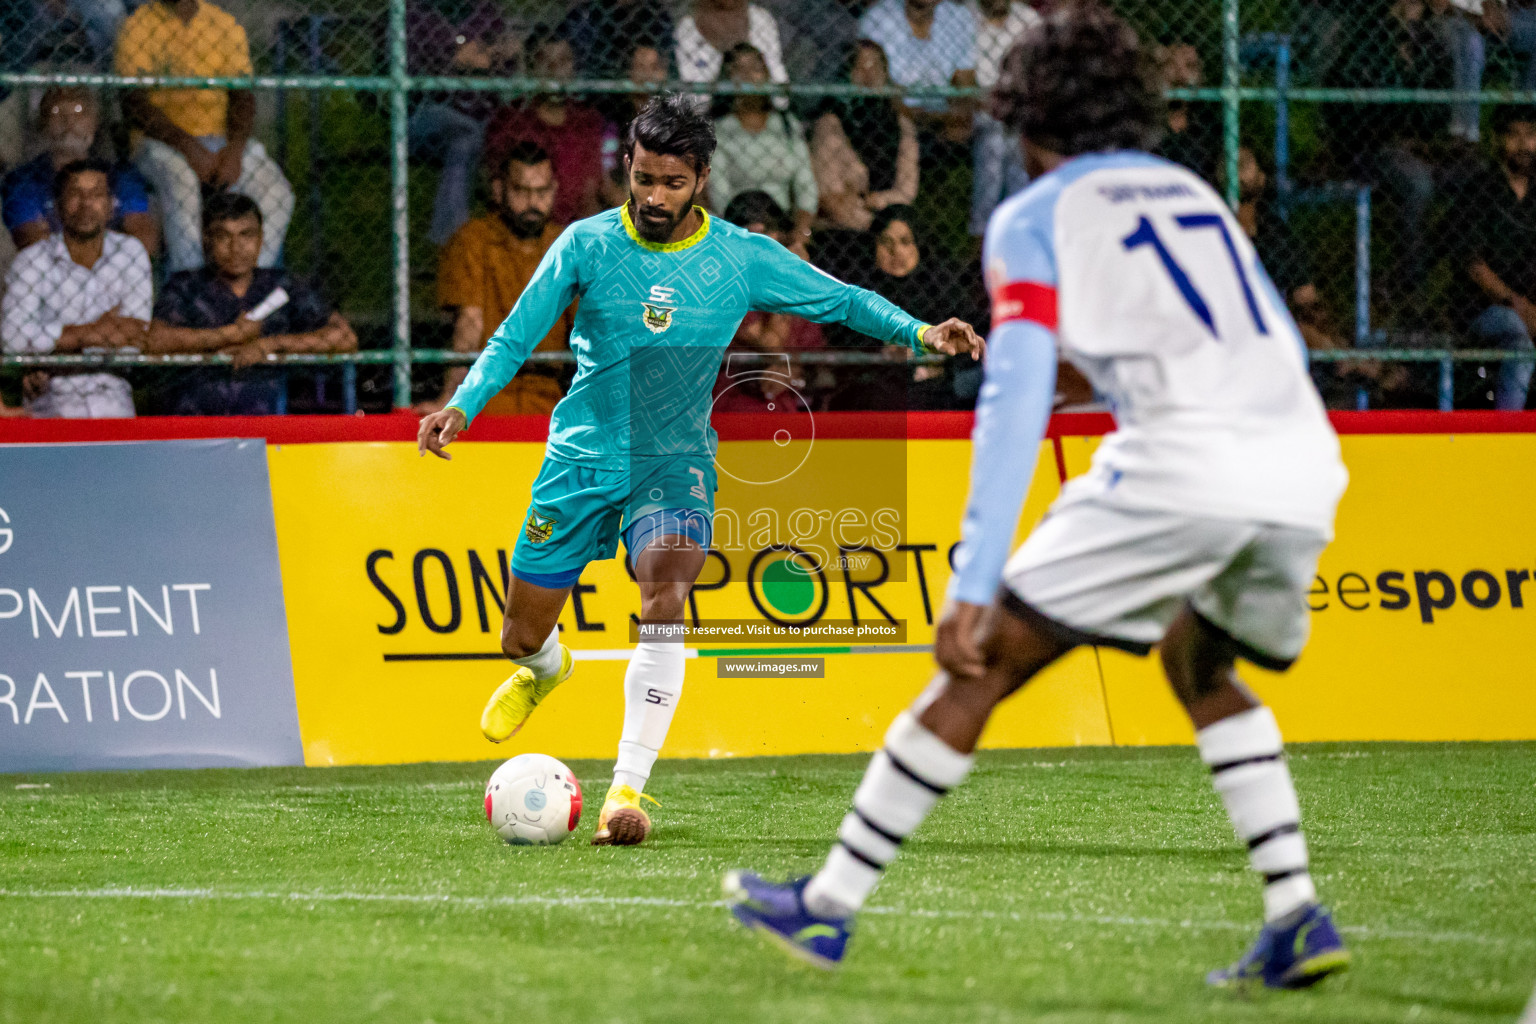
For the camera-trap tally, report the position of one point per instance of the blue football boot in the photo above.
(1296, 955)
(778, 912)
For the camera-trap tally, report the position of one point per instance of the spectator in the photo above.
(1289, 267)
(928, 43)
(1193, 138)
(1522, 39)
(446, 38)
(816, 36)
(997, 153)
(714, 27)
(56, 33)
(235, 307)
(899, 272)
(646, 65)
(758, 147)
(570, 132)
(69, 118)
(484, 270)
(864, 149)
(1412, 160)
(776, 385)
(1460, 25)
(1321, 30)
(603, 35)
(84, 287)
(197, 139)
(1495, 225)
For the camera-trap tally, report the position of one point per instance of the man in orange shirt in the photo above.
(484, 268)
(196, 139)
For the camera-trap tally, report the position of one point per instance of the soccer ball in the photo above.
(533, 800)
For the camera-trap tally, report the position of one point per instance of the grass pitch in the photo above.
(1058, 885)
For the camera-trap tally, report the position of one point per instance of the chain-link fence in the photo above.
(329, 205)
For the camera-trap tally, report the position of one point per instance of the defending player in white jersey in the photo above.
(1197, 529)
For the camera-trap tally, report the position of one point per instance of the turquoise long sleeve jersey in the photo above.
(651, 329)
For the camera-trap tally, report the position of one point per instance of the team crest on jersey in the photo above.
(658, 312)
(657, 318)
(538, 527)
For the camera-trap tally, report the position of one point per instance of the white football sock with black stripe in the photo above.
(653, 683)
(902, 784)
(1247, 760)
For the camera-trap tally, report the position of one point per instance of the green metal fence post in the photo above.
(398, 189)
(1231, 80)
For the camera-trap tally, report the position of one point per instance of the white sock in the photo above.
(652, 685)
(1247, 760)
(545, 661)
(903, 783)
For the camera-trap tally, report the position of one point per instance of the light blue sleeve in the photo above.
(553, 286)
(1016, 395)
(782, 282)
(1011, 417)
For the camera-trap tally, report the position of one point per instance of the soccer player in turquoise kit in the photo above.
(662, 289)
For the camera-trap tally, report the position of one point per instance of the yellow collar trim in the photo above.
(691, 240)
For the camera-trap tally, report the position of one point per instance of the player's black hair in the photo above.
(757, 207)
(67, 173)
(225, 205)
(672, 124)
(525, 152)
(1507, 115)
(1081, 82)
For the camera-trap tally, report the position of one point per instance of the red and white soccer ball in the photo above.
(533, 800)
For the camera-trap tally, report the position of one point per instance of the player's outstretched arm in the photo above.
(553, 286)
(1011, 418)
(784, 283)
(437, 431)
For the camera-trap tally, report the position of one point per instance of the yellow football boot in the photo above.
(513, 702)
(622, 822)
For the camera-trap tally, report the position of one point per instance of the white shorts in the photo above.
(1093, 573)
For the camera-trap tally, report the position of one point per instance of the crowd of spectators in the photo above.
(188, 186)
(155, 219)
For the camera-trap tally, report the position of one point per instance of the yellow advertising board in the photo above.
(394, 569)
(1424, 609)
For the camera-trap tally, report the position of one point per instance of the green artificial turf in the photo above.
(1057, 885)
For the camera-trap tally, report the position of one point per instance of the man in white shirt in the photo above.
(999, 159)
(84, 288)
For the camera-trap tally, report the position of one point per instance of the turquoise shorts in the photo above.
(579, 512)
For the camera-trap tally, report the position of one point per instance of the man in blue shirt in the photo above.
(663, 288)
(69, 118)
(928, 43)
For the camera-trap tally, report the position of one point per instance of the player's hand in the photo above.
(956, 640)
(953, 337)
(438, 430)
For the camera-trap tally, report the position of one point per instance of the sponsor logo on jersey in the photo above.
(658, 314)
(538, 527)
